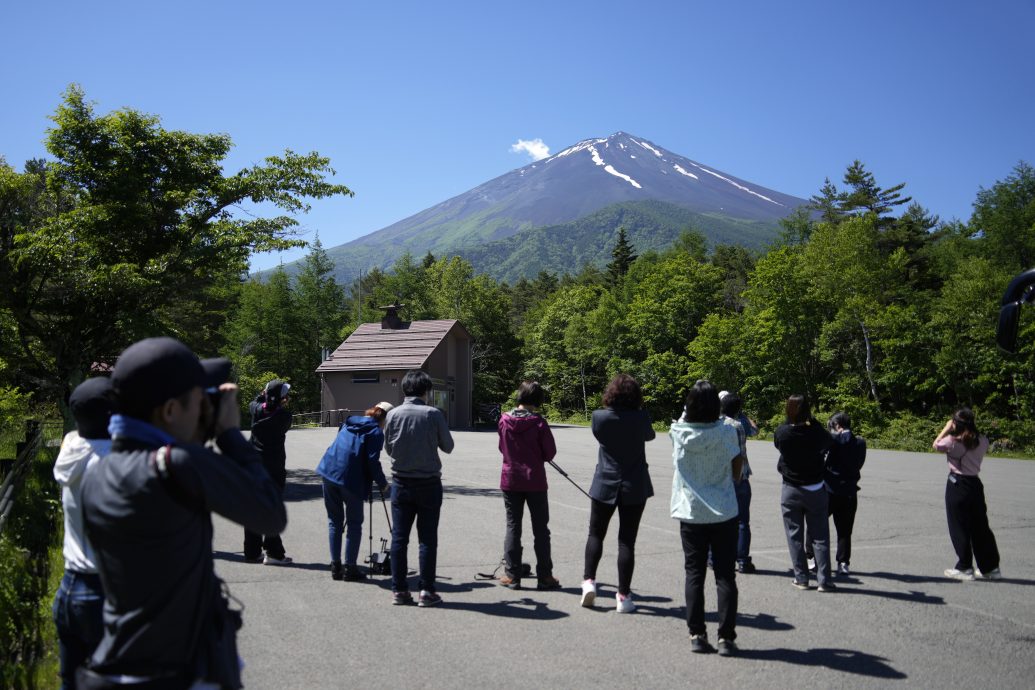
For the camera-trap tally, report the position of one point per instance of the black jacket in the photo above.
(269, 429)
(622, 461)
(844, 464)
(152, 535)
(803, 450)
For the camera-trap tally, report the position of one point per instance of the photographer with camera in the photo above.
(348, 469)
(271, 421)
(148, 514)
(972, 538)
(414, 434)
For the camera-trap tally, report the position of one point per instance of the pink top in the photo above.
(962, 461)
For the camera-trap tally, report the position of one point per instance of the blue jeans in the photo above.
(420, 500)
(343, 508)
(743, 491)
(77, 609)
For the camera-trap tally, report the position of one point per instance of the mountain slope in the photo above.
(581, 180)
(590, 240)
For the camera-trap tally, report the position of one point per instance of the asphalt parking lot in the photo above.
(895, 621)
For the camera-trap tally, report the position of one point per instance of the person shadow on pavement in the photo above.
(842, 660)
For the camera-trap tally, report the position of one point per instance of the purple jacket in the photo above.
(527, 445)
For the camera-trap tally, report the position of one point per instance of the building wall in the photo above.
(339, 392)
(449, 361)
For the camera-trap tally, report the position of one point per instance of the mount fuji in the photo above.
(568, 207)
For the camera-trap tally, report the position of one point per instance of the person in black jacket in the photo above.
(803, 444)
(271, 421)
(841, 477)
(621, 482)
(148, 510)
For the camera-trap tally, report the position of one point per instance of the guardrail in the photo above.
(26, 453)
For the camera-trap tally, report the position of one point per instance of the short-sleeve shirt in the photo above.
(702, 484)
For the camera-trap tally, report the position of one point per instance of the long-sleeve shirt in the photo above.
(414, 433)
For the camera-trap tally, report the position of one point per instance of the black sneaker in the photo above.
(548, 583)
(746, 567)
(727, 647)
(827, 587)
(402, 598)
(336, 571)
(699, 644)
(253, 559)
(842, 570)
(353, 574)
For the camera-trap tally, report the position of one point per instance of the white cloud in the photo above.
(535, 148)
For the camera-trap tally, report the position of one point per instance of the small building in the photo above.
(369, 366)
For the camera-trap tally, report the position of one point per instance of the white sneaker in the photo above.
(589, 593)
(270, 560)
(963, 575)
(993, 574)
(624, 604)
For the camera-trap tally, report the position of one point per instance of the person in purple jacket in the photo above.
(527, 445)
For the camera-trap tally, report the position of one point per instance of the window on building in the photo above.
(365, 377)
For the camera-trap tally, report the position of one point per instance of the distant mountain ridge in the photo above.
(553, 204)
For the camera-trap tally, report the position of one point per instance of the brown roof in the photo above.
(372, 348)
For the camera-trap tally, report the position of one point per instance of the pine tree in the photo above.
(866, 196)
(622, 257)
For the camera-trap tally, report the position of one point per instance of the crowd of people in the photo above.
(140, 603)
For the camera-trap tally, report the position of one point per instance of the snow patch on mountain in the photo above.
(610, 169)
(649, 148)
(738, 186)
(681, 170)
(581, 146)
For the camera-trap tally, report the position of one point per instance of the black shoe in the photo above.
(336, 571)
(353, 574)
(800, 584)
(253, 559)
(746, 567)
(699, 644)
(827, 587)
(727, 647)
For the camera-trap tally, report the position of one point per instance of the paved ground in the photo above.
(897, 621)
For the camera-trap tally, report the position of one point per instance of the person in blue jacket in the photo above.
(348, 468)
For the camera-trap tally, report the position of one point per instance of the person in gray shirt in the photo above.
(414, 434)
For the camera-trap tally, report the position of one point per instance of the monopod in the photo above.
(565, 475)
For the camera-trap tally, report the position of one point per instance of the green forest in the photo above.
(867, 302)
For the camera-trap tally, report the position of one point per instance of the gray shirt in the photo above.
(414, 433)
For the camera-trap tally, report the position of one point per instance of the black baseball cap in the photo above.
(153, 370)
(92, 403)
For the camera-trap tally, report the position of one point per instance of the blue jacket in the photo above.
(352, 461)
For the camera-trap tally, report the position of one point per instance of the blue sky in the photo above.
(415, 102)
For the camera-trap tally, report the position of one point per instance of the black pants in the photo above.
(628, 525)
(721, 538)
(539, 510)
(255, 543)
(842, 508)
(967, 513)
(803, 508)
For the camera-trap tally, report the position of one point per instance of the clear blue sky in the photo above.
(415, 102)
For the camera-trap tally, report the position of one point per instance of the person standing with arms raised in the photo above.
(621, 482)
(271, 421)
(148, 514)
(414, 434)
(965, 507)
